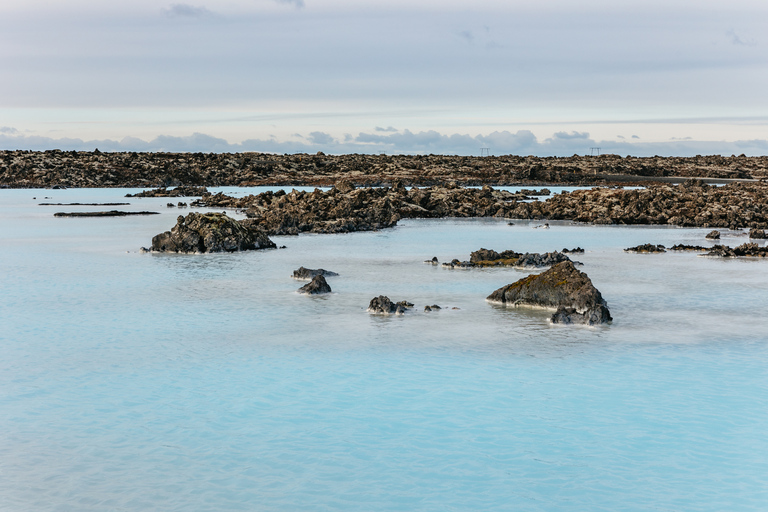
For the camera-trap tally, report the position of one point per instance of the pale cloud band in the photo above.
(522, 142)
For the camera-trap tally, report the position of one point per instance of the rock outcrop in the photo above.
(490, 258)
(210, 232)
(757, 233)
(381, 305)
(310, 273)
(748, 250)
(562, 287)
(317, 286)
(713, 235)
(646, 248)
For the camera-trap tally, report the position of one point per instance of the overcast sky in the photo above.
(548, 77)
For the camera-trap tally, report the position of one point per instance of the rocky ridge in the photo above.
(41, 169)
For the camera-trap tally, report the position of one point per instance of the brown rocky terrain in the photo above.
(344, 208)
(28, 169)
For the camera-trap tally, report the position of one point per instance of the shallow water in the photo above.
(137, 382)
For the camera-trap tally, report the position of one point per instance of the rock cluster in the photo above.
(562, 287)
(381, 305)
(757, 233)
(210, 232)
(713, 235)
(317, 286)
(341, 210)
(509, 258)
(646, 248)
(689, 204)
(748, 250)
(26, 169)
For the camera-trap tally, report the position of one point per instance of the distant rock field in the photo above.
(55, 168)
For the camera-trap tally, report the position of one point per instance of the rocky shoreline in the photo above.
(81, 169)
(345, 208)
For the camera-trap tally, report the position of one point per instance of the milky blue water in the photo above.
(145, 382)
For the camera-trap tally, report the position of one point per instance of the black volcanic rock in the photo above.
(210, 232)
(381, 305)
(713, 235)
(646, 248)
(562, 287)
(309, 273)
(317, 286)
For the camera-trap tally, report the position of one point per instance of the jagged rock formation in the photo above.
(748, 250)
(381, 305)
(646, 248)
(509, 258)
(309, 273)
(689, 204)
(317, 286)
(562, 287)
(210, 232)
(25, 169)
(685, 247)
(713, 235)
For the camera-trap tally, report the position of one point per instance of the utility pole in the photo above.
(485, 152)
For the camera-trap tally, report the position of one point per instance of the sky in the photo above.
(547, 78)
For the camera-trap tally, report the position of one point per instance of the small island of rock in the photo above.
(210, 232)
(562, 287)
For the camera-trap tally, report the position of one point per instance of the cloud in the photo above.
(321, 138)
(572, 135)
(635, 137)
(8, 129)
(186, 11)
(467, 35)
(737, 40)
(387, 129)
(298, 3)
(522, 142)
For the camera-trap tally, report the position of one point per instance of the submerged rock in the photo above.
(562, 287)
(317, 286)
(309, 273)
(646, 248)
(713, 235)
(685, 247)
(111, 213)
(210, 232)
(381, 305)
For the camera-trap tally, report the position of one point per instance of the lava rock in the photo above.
(309, 273)
(646, 248)
(317, 286)
(210, 232)
(560, 286)
(381, 305)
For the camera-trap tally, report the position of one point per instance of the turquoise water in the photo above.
(138, 382)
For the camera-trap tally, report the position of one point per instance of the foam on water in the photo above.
(141, 382)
